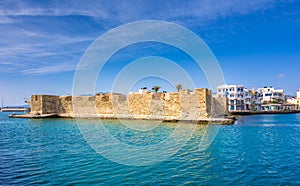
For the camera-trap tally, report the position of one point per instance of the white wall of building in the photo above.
(236, 95)
(243, 99)
(270, 94)
(298, 95)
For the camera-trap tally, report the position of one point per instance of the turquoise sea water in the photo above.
(258, 150)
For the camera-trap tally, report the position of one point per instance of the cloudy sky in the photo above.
(41, 42)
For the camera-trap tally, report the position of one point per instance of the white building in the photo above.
(269, 94)
(298, 96)
(263, 99)
(238, 97)
(256, 103)
(143, 90)
(295, 101)
(272, 99)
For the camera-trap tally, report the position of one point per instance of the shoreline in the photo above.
(244, 113)
(222, 121)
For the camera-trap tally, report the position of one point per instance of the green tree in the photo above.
(178, 87)
(156, 88)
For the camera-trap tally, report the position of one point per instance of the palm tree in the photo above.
(156, 88)
(178, 87)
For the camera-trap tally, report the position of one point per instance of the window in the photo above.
(231, 107)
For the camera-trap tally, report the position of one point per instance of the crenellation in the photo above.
(183, 105)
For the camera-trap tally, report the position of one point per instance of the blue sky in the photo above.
(41, 42)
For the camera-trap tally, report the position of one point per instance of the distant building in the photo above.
(256, 103)
(237, 96)
(294, 102)
(271, 98)
(269, 94)
(272, 107)
(298, 97)
(143, 90)
(267, 99)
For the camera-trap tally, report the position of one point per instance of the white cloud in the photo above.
(28, 52)
(5, 20)
(282, 75)
(61, 67)
(36, 47)
(125, 11)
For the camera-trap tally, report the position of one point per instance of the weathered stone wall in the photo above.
(104, 103)
(50, 104)
(157, 105)
(84, 106)
(139, 104)
(181, 105)
(65, 106)
(36, 104)
(120, 104)
(44, 104)
(203, 96)
(219, 107)
(172, 104)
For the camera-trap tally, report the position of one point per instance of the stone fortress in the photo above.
(199, 105)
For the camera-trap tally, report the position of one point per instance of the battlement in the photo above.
(182, 105)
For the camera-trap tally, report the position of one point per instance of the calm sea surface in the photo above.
(258, 150)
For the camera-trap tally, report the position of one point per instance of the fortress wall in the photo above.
(84, 106)
(104, 103)
(36, 104)
(204, 100)
(120, 104)
(188, 106)
(50, 104)
(111, 103)
(219, 107)
(157, 105)
(44, 104)
(181, 105)
(172, 104)
(65, 106)
(139, 104)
